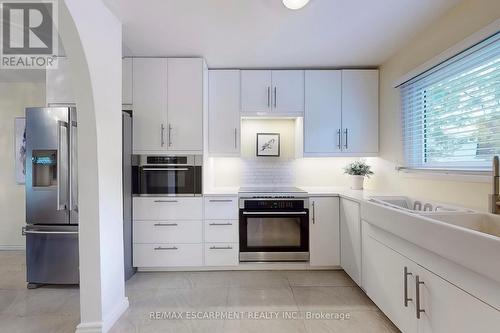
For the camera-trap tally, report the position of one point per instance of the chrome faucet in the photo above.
(494, 201)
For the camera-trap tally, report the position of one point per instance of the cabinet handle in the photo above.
(169, 135)
(235, 138)
(406, 274)
(166, 201)
(346, 135)
(268, 96)
(417, 296)
(220, 224)
(159, 248)
(275, 98)
(162, 135)
(339, 139)
(314, 212)
(165, 224)
(220, 200)
(221, 247)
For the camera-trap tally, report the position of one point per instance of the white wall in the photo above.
(464, 20)
(14, 98)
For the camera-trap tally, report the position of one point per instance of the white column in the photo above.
(92, 38)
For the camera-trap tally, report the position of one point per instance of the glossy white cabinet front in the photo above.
(224, 112)
(350, 239)
(324, 237)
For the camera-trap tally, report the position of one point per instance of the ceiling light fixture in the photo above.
(295, 4)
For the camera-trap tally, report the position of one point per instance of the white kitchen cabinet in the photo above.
(288, 91)
(268, 92)
(341, 117)
(59, 88)
(350, 239)
(221, 254)
(324, 234)
(384, 282)
(167, 208)
(185, 104)
(150, 105)
(390, 278)
(256, 91)
(168, 255)
(127, 65)
(224, 112)
(450, 309)
(221, 207)
(176, 231)
(360, 111)
(323, 111)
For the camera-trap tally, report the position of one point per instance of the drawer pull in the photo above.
(220, 224)
(417, 296)
(166, 201)
(405, 276)
(221, 247)
(166, 224)
(159, 248)
(220, 200)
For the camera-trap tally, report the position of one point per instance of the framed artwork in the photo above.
(268, 144)
(20, 149)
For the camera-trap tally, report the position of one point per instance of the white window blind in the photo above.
(451, 113)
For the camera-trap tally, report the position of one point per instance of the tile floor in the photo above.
(276, 293)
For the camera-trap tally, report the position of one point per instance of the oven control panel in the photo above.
(270, 204)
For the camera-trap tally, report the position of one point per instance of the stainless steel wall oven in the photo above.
(167, 175)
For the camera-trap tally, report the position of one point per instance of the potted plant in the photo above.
(358, 170)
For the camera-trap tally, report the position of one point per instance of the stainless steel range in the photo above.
(274, 224)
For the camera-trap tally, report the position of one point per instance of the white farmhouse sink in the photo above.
(470, 239)
(417, 206)
(485, 223)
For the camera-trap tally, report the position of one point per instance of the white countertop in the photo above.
(314, 191)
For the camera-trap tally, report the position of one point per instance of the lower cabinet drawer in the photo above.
(168, 255)
(154, 232)
(221, 254)
(221, 231)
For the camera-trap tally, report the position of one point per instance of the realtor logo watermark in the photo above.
(29, 34)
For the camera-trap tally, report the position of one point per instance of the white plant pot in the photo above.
(357, 182)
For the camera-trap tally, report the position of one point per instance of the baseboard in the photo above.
(108, 322)
(12, 247)
(93, 327)
(115, 314)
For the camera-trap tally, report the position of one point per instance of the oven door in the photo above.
(274, 236)
(167, 180)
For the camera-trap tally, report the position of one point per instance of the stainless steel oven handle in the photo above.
(274, 213)
(165, 169)
(50, 232)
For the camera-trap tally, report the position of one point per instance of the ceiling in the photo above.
(263, 33)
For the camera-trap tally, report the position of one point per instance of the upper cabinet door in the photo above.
(127, 81)
(323, 111)
(150, 104)
(360, 111)
(185, 104)
(224, 112)
(59, 88)
(256, 91)
(288, 91)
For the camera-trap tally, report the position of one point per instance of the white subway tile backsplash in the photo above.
(270, 171)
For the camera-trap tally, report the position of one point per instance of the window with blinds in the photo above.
(451, 113)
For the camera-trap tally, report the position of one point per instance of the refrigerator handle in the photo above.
(71, 165)
(60, 125)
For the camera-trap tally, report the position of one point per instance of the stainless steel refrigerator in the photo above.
(51, 196)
